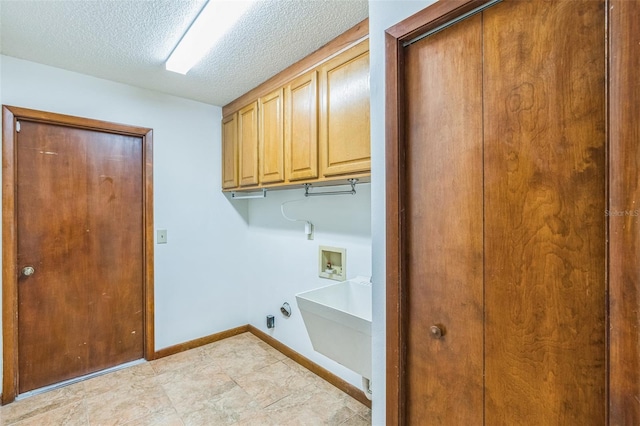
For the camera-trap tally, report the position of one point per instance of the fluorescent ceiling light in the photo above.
(214, 20)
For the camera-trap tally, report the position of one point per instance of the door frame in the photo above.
(11, 115)
(623, 234)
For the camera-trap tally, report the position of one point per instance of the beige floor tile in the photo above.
(165, 417)
(186, 359)
(271, 350)
(223, 347)
(196, 389)
(367, 415)
(42, 403)
(126, 404)
(228, 408)
(300, 369)
(74, 414)
(244, 360)
(314, 403)
(258, 419)
(272, 383)
(112, 381)
(356, 421)
(297, 416)
(237, 381)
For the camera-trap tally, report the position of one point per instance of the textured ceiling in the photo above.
(129, 40)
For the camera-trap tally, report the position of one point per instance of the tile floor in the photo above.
(237, 381)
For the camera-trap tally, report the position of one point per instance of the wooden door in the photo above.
(544, 135)
(248, 145)
(80, 227)
(444, 216)
(345, 133)
(271, 137)
(497, 198)
(301, 128)
(624, 213)
(230, 151)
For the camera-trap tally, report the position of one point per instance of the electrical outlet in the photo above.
(161, 236)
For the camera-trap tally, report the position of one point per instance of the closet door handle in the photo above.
(436, 331)
(28, 270)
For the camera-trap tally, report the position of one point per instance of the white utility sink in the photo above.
(338, 320)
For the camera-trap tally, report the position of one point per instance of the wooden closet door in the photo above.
(443, 86)
(544, 127)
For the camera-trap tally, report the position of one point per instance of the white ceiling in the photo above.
(129, 40)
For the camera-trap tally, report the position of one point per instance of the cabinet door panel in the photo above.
(230, 152)
(344, 124)
(248, 144)
(271, 137)
(301, 128)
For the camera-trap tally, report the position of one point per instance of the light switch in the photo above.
(161, 237)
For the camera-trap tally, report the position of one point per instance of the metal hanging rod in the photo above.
(248, 196)
(450, 23)
(317, 194)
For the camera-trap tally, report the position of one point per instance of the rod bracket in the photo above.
(352, 182)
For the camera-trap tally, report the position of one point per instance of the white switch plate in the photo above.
(161, 237)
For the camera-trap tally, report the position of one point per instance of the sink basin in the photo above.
(338, 320)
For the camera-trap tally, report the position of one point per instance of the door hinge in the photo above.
(17, 127)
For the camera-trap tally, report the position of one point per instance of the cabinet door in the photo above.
(344, 116)
(301, 127)
(271, 138)
(248, 144)
(230, 151)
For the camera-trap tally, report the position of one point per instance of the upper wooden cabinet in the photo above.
(230, 151)
(248, 144)
(271, 137)
(344, 113)
(301, 127)
(307, 124)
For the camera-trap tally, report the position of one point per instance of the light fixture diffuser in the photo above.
(213, 21)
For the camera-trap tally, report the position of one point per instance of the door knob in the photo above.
(436, 332)
(28, 270)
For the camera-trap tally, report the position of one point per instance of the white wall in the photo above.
(200, 283)
(283, 262)
(227, 263)
(382, 15)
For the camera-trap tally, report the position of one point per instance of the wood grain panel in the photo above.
(624, 209)
(301, 127)
(10, 339)
(248, 145)
(115, 220)
(149, 259)
(544, 124)
(395, 254)
(230, 151)
(271, 137)
(443, 75)
(9, 260)
(82, 310)
(345, 132)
